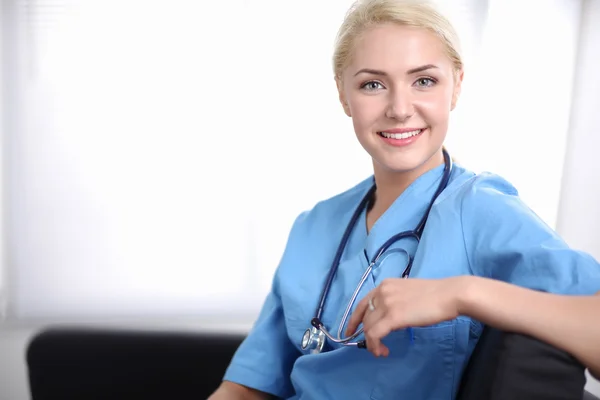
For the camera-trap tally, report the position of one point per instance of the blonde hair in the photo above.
(364, 14)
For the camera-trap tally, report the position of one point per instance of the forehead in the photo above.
(392, 47)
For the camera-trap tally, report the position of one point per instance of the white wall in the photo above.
(13, 371)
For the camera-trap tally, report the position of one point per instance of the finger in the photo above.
(376, 332)
(370, 319)
(359, 314)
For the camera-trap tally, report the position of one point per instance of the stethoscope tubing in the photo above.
(416, 234)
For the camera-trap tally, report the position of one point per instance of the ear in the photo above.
(342, 96)
(458, 78)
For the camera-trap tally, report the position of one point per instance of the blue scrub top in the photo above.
(477, 226)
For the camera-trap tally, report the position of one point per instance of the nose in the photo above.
(400, 105)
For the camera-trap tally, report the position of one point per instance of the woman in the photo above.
(398, 71)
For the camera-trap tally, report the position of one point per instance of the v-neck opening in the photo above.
(425, 184)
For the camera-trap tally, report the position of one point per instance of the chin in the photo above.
(402, 163)
(401, 169)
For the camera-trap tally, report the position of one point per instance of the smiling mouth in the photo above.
(400, 136)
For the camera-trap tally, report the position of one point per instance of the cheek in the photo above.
(366, 111)
(435, 111)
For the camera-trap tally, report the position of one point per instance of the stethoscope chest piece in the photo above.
(313, 340)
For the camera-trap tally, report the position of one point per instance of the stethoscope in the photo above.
(314, 338)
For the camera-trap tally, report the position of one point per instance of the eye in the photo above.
(425, 82)
(371, 86)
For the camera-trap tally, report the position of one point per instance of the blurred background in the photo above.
(155, 154)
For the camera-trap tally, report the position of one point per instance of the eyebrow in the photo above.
(409, 72)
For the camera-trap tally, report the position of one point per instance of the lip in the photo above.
(402, 130)
(401, 142)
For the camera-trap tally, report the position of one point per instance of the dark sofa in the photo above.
(87, 364)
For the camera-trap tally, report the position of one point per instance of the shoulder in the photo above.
(476, 189)
(486, 201)
(466, 185)
(316, 231)
(489, 197)
(488, 186)
(492, 212)
(481, 193)
(334, 208)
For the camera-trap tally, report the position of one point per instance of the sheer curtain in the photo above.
(3, 280)
(517, 114)
(158, 152)
(579, 213)
(129, 187)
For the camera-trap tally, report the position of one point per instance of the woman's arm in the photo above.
(233, 391)
(571, 323)
(506, 240)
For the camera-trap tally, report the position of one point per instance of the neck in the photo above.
(391, 184)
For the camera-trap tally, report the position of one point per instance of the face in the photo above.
(399, 90)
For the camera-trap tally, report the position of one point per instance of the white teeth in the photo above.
(404, 135)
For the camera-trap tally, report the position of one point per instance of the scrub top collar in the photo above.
(405, 212)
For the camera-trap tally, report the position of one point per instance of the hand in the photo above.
(400, 303)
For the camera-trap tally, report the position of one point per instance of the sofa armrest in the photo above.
(511, 366)
(115, 364)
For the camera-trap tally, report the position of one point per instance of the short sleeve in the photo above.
(505, 240)
(265, 358)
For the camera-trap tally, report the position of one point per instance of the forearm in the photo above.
(233, 391)
(570, 323)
